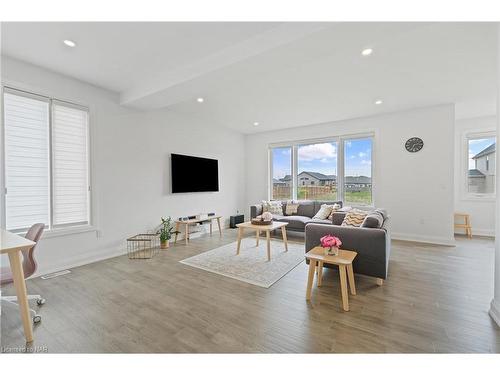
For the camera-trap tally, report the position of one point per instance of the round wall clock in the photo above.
(414, 144)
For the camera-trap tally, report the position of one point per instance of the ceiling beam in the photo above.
(170, 87)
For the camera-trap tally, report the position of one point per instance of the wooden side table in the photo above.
(344, 260)
(465, 224)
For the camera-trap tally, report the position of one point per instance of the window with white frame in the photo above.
(481, 169)
(330, 169)
(46, 162)
(281, 173)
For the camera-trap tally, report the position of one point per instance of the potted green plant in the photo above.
(166, 231)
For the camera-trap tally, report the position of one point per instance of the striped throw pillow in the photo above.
(354, 218)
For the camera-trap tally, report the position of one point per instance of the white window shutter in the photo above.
(26, 119)
(70, 190)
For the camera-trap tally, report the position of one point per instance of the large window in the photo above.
(46, 162)
(481, 166)
(281, 173)
(358, 171)
(333, 169)
(317, 171)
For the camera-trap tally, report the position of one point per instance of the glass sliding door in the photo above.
(317, 171)
(281, 162)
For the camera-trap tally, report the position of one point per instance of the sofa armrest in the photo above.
(255, 210)
(371, 244)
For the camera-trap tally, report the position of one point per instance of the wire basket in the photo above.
(143, 246)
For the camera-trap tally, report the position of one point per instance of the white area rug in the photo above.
(251, 265)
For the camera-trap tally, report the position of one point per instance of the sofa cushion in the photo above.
(291, 208)
(306, 208)
(338, 217)
(324, 212)
(374, 219)
(319, 221)
(274, 207)
(295, 222)
(318, 204)
(335, 208)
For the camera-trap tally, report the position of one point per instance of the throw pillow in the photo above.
(275, 207)
(265, 206)
(291, 208)
(324, 212)
(335, 208)
(345, 209)
(373, 220)
(354, 218)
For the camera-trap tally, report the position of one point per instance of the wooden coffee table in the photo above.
(266, 228)
(343, 260)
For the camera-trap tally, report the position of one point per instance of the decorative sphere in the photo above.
(267, 216)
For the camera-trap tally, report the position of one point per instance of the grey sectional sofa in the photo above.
(373, 244)
(305, 213)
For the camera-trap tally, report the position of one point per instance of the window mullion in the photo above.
(340, 170)
(51, 163)
(294, 171)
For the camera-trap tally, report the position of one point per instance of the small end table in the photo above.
(317, 258)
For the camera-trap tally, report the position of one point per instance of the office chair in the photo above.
(29, 268)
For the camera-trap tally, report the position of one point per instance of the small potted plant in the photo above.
(166, 231)
(331, 244)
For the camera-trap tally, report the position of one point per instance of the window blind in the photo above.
(70, 189)
(26, 119)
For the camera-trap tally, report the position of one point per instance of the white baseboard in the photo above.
(480, 232)
(423, 239)
(111, 252)
(495, 311)
(87, 258)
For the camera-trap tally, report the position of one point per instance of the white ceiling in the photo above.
(279, 74)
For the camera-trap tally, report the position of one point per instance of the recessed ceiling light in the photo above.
(200, 100)
(377, 102)
(256, 124)
(367, 52)
(69, 43)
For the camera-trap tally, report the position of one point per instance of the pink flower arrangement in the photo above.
(330, 241)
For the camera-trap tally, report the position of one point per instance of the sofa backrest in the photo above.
(309, 208)
(317, 204)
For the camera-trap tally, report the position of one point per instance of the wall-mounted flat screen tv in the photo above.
(192, 174)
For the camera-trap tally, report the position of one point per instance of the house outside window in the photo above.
(481, 168)
(315, 173)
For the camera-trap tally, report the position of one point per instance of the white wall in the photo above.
(130, 167)
(416, 188)
(482, 212)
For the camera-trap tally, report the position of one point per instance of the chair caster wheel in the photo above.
(40, 301)
(37, 319)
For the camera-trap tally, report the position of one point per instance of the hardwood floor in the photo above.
(436, 299)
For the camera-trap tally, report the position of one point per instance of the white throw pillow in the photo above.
(274, 207)
(336, 207)
(324, 212)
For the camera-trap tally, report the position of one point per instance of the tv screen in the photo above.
(191, 174)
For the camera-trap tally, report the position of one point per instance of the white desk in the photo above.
(12, 245)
